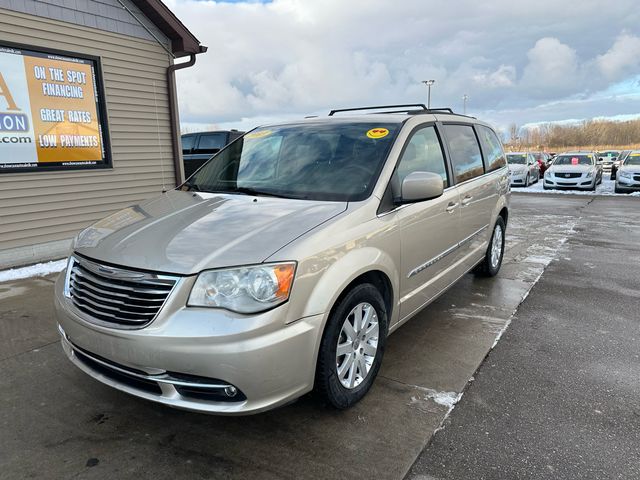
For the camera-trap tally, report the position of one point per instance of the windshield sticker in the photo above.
(574, 161)
(377, 133)
(259, 134)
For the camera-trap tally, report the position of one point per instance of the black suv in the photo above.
(197, 148)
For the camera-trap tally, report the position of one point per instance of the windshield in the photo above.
(333, 162)
(609, 154)
(633, 159)
(517, 158)
(573, 160)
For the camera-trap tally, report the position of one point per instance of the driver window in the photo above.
(423, 153)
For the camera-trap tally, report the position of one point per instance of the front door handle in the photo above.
(452, 206)
(466, 201)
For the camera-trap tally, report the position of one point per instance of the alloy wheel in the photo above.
(496, 247)
(357, 345)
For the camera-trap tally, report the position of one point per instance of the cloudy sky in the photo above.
(519, 62)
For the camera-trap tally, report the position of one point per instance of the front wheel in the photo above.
(490, 265)
(352, 347)
(526, 182)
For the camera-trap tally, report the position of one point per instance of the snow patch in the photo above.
(606, 188)
(37, 270)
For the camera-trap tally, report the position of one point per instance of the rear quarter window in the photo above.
(493, 150)
(464, 150)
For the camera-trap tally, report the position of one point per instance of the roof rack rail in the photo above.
(443, 109)
(409, 107)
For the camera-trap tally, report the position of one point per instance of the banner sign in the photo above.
(51, 113)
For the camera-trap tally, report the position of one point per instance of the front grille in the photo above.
(117, 297)
(568, 175)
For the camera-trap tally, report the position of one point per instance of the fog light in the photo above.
(230, 391)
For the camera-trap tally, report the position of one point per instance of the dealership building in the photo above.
(88, 116)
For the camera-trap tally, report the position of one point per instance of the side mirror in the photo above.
(419, 186)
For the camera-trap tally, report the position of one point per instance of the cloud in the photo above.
(296, 57)
(552, 70)
(622, 58)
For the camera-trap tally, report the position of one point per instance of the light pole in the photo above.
(465, 97)
(428, 83)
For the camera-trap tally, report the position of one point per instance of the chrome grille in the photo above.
(114, 296)
(568, 175)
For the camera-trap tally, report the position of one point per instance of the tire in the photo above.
(593, 189)
(329, 379)
(526, 182)
(489, 268)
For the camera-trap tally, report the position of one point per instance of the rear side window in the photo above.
(212, 142)
(464, 150)
(423, 153)
(187, 143)
(493, 151)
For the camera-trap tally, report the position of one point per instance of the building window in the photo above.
(51, 111)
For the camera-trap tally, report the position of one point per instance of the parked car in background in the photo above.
(284, 263)
(543, 160)
(574, 170)
(523, 168)
(628, 177)
(621, 158)
(608, 159)
(197, 148)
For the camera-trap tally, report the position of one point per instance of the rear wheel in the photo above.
(352, 347)
(490, 265)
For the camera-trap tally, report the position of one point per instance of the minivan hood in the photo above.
(186, 232)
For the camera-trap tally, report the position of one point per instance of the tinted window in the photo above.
(517, 158)
(335, 162)
(187, 143)
(494, 153)
(465, 152)
(423, 153)
(212, 142)
(633, 159)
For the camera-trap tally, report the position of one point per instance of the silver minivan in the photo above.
(283, 264)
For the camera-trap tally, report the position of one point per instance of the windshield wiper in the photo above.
(193, 186)
(260, 193)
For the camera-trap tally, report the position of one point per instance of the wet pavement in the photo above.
(58, 423)
(559, 396)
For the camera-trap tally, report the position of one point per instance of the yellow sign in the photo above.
(49, 112)
(377, 133)
(258, 134)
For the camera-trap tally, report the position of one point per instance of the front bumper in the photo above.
(627, 184)
(581, 183)
(187, 358)
(517, 180)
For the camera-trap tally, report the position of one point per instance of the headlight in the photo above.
(625, 174)
(590, 174)
(245, 289)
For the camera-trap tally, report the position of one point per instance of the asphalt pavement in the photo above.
(559, 396)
